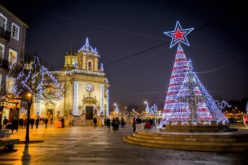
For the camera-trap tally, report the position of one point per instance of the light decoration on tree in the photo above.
(187, 99)
(36, 79)
(180, 68)
(194, 103)
(214, 109)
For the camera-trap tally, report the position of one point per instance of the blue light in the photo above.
(36, 79)
(179, 35)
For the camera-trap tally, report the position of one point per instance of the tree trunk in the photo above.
(28, 121)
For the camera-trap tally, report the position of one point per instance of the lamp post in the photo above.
(28, 98)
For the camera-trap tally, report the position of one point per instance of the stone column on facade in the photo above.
(96, 65)
(84, 62)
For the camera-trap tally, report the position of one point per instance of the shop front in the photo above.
(10, 110)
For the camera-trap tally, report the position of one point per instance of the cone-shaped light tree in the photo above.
(187, 99)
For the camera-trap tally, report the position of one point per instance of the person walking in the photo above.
(46, 121)
(151, 122)
(114, 125)
(117, 124)
(108, 123)
(37, 122)
(32, 122)
(5, 122)
(62, 122)
(134, 124)
(94, 121)
(14, 125)
(122, 122)
(21, 121)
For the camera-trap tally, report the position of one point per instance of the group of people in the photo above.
(148, 123)
(13, 126)
(21, 123)
(60, 123)
(115, 123)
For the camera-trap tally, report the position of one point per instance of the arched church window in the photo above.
(90, 67)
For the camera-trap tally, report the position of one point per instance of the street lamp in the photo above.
(28, 98)
(29, 95)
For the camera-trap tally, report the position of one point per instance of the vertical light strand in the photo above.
(107, 110)
(102, 98)
(75, 98)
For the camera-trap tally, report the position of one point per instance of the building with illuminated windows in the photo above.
(12, 48)
(86, 90)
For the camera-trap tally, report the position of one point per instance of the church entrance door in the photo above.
(50, 116)
(89, 112)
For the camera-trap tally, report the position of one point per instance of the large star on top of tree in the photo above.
(179, 35)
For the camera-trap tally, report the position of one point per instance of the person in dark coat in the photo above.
(62, 122)
(94, 121)
(5, 122)
(32, 122)
(14, 125)
(134, 125)
(114, 123)
(46, 121)
(117, 124)
(122, 122)
(151, 122)
(108, 124)
(21, 121)
(37, 122)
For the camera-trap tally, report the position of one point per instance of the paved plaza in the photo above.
(96, 145)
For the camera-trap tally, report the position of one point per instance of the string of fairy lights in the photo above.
(187, 99)
(33, 78)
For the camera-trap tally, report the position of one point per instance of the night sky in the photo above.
(129, 37)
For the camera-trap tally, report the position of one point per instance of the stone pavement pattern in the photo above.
(89, 145)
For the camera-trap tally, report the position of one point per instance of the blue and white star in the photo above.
(179, 35)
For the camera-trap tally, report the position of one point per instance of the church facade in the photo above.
(86, 88)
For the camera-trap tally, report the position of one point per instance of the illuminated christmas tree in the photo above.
(187, 99)
(180, 68)
(193, 103)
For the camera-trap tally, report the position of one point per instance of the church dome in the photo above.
(87, 48)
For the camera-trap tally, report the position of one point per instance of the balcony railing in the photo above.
(4, 34)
